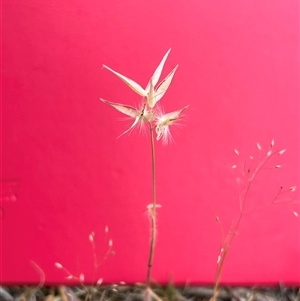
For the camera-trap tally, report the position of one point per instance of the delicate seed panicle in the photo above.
(110, 243)
(278, 166)
(233, 166)
(236, 151)
(296, 213)
(251, 158)
(106, 229)
(269, 153)
(293, 188)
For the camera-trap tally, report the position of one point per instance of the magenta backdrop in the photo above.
(65, 173)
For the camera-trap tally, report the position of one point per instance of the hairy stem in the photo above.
(152, 211)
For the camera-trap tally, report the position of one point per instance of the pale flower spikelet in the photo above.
(163, 123)
(148, 113)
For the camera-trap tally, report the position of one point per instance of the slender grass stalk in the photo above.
(152, 211)
(243, 196)
(157, 120)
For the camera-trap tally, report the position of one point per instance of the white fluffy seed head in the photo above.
(163, 121)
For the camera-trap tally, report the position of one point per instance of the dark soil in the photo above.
(128, 293)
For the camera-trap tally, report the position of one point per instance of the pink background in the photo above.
(65, 173)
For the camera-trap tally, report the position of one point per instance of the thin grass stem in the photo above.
(231, 234)
(152, 210)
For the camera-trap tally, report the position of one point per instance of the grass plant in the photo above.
(250, 171)
(97, 263)
(149, 114)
